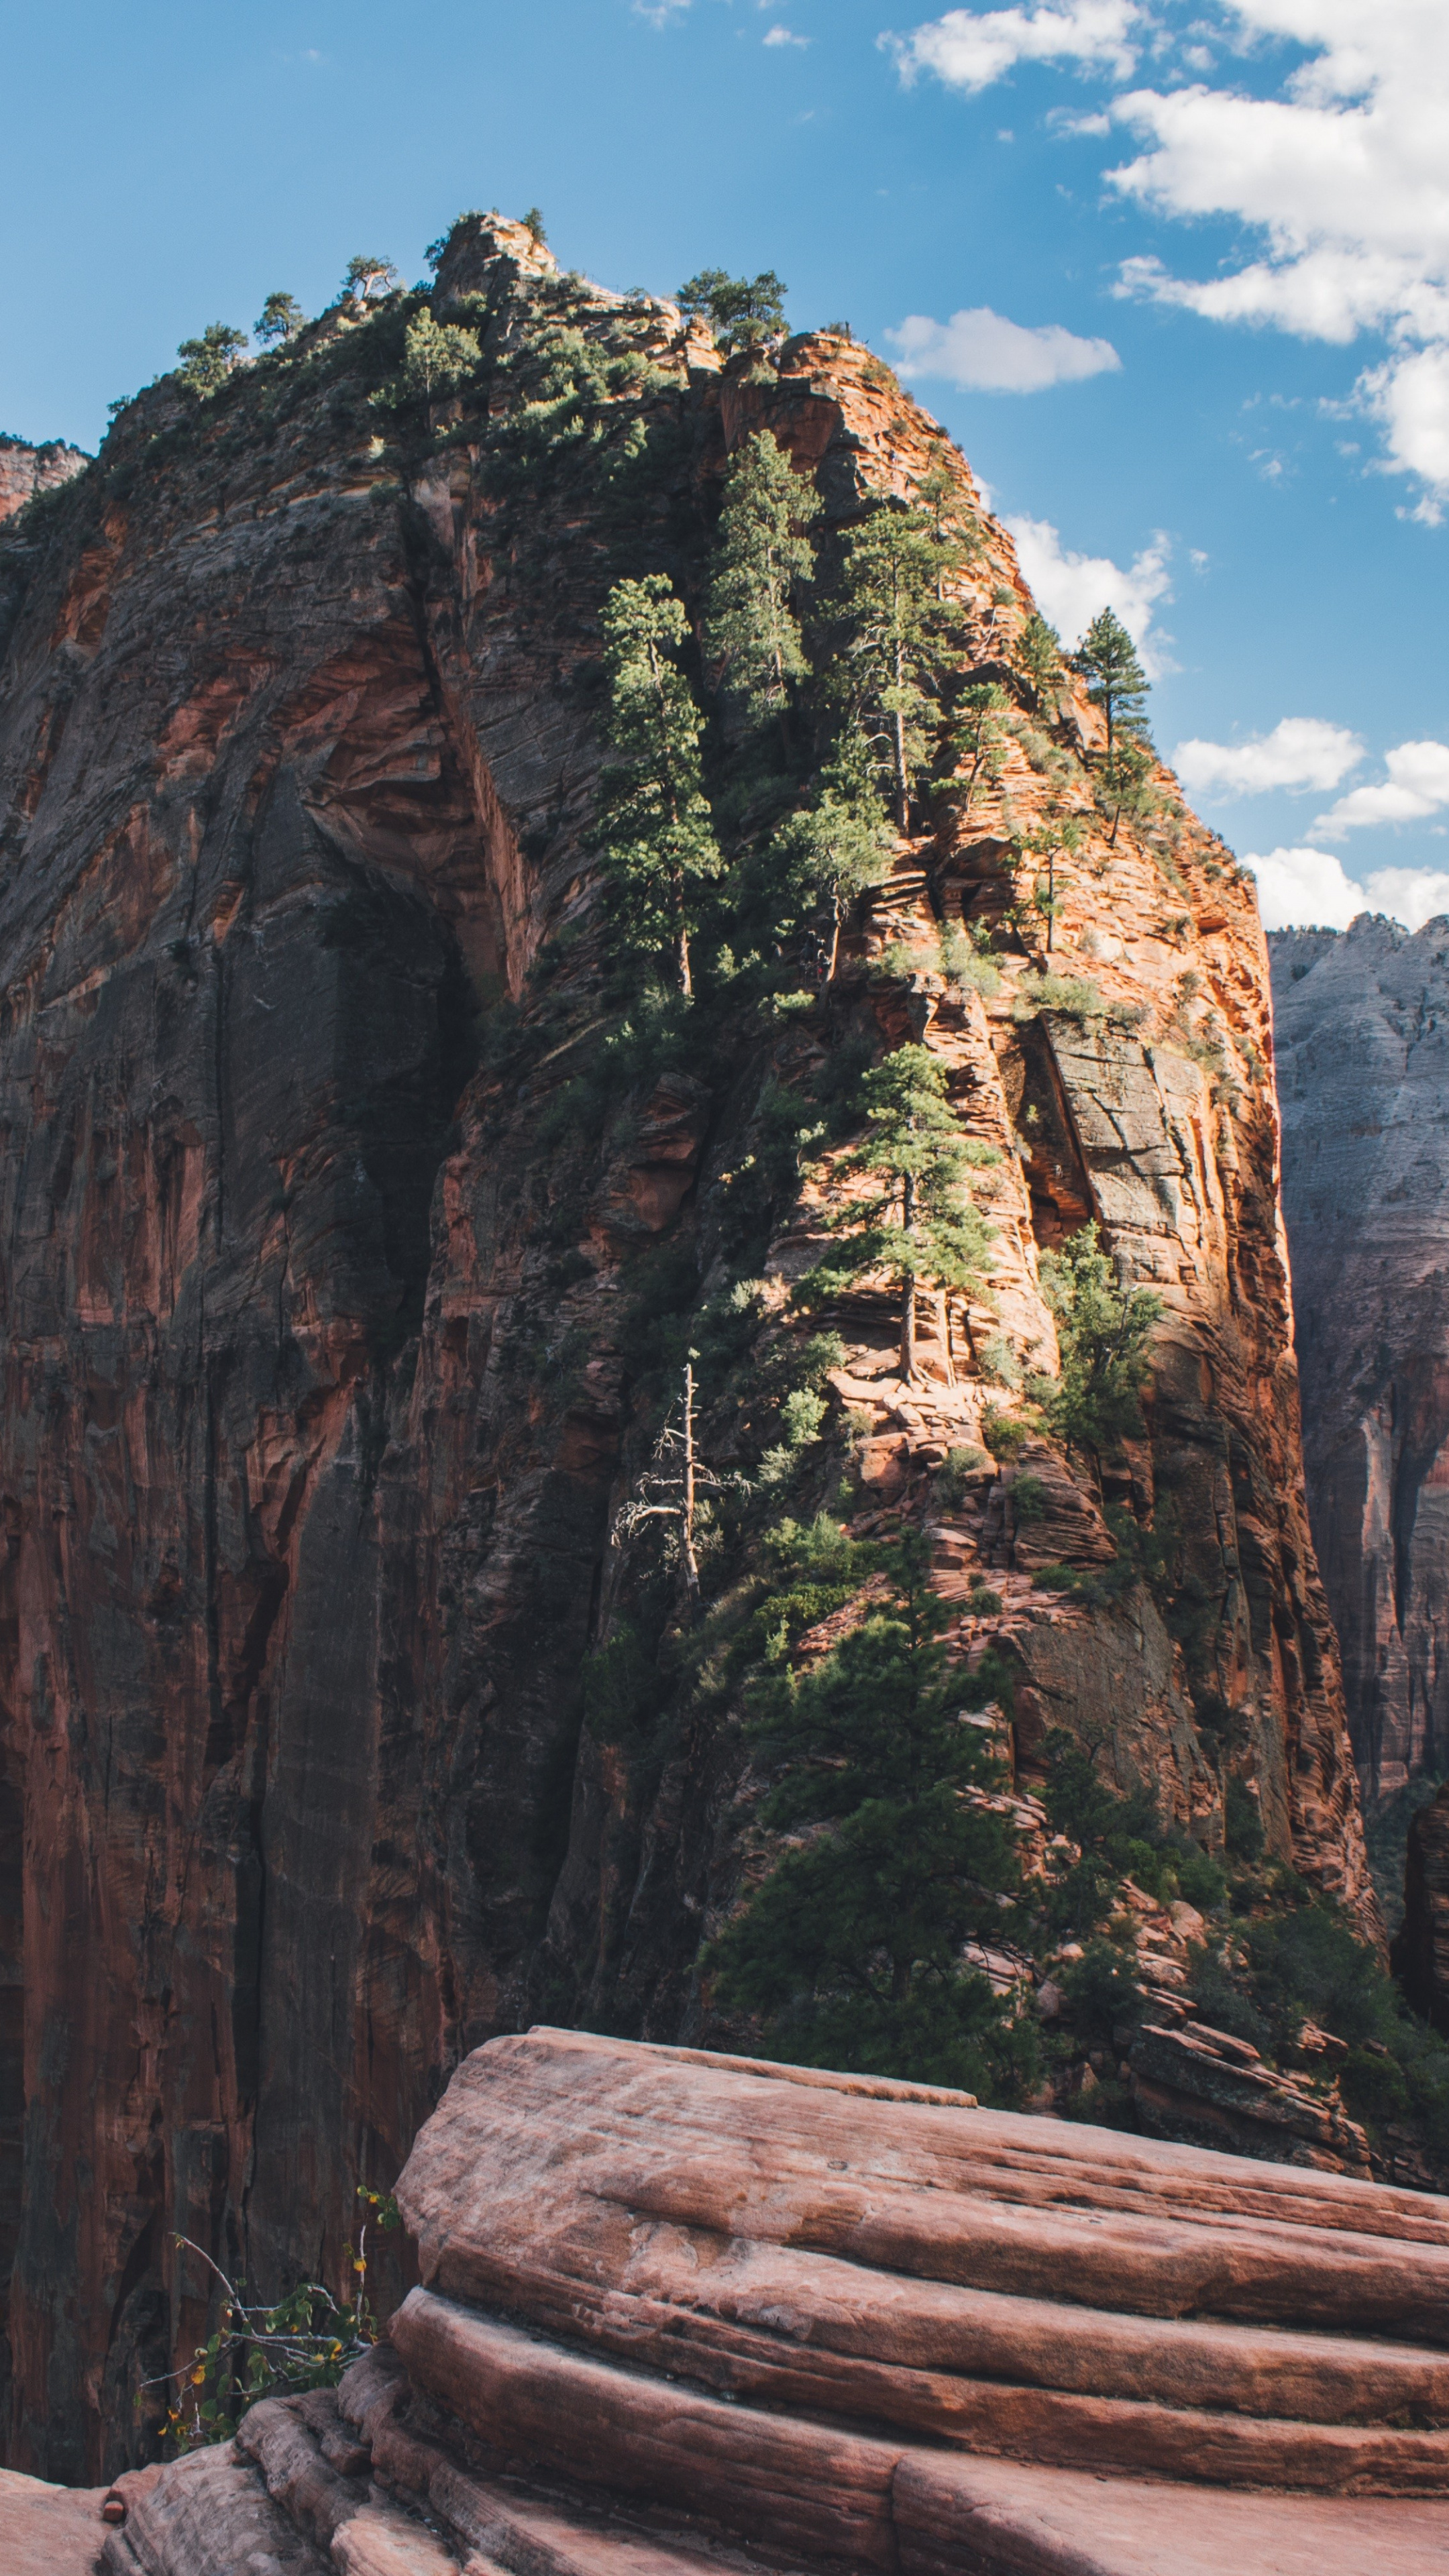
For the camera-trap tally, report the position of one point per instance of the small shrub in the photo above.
(1003, 1433)
(1243, 1835)
(1071, 995)
(1029, 1498)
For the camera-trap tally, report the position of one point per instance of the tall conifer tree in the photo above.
(895, 626)
(761, 557)
(918, 1226)
(654, 822)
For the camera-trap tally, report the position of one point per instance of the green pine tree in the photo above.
(1103, 1331)
(761, 556)
(850, 1950)
(1116, 682)
(206, 363)
(979, 732)
(1039, 658)
(894, 632)
(654, 823)
(918, 1225)
(830, 850)
(282, 318)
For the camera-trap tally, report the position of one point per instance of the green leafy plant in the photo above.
(306, 2339)
(367, 278)
(893, 629)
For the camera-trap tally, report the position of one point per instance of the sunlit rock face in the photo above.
(322, 1355)
(1362, 1031)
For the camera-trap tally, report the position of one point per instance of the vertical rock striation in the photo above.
(1362, 1023)
(321, 1383)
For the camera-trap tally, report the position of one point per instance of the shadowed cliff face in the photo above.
(318, 1389)
(1363, 1078)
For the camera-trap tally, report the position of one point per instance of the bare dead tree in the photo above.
(671, 1484)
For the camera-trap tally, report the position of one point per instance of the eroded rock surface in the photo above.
(322, 1296)
(1362, 1026)
(678, 2309)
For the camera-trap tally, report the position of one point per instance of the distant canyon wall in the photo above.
(1362, 1038)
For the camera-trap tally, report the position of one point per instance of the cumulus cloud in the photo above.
(786, 36)
(1300, 887)
(969, 50)
(1302, 751)
(1410, 895)
(1417, 785)
(1071, 588)
(1343, 177)
(659, 12)
(984, 353)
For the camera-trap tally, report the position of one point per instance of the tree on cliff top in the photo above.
(366, 278)
(743, 311)
(851, 1948)
(654, 824)
(760, 556)
(206, 363)
(918, 1226)
(282, 318)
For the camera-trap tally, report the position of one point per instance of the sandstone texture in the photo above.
(48, 2530)
(680, 2309)
(1362, 1022)
(325, 1311)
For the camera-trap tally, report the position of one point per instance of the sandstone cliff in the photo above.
(1362, 1023)
(328, 1311)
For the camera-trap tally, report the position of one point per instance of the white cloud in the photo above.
(1344, 178)
(1417, 785)
(1070, 588)
(1300, 887)
(659, 12)
(1302, 751)
(786, 36)
(969, 50)
(983, 352)
(1410, 895)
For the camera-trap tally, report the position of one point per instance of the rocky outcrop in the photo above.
(333, 1275)
(1362, 1023)
(1421, 1946)
(26, 471)
(675, 2306)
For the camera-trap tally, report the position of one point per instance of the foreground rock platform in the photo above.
(680, 2310)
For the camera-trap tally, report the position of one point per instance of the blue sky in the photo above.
(1197, 256)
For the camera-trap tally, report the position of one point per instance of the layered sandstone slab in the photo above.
(682, 2311)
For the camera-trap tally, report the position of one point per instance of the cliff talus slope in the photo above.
(332, 1303)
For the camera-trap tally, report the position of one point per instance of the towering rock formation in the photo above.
(335, 1276)
(1362, 1021)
